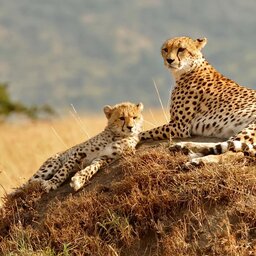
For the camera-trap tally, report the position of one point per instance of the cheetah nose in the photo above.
(130, 127)
(170, 61)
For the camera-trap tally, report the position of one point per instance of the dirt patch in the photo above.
(142, 205)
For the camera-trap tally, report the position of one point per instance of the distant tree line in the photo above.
(9, 106)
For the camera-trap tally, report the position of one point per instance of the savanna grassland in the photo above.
(141, 205)
(25, 146)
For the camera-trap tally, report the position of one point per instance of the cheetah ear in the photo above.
(140, 106)
(108, 111)
(200, 43)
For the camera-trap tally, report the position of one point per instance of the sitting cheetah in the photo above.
(205, 103)
(120, 136)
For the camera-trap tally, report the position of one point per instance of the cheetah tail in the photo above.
(234, 146)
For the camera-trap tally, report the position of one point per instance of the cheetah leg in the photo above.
(164, 132)
(202, 153)
(48, 169)
(81, 177)
(60, 176)
(244, 141)
(226, 157)
(192, 149)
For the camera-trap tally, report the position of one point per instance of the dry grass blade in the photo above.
(79, 120)
(159, 98)
(59, 138)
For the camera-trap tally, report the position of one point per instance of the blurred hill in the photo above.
(94, 52)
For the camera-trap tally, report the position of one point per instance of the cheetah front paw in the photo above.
(178, 147)
(194, 163)
(77, 182)
(47, 185)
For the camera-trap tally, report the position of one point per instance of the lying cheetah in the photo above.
(120, 136)
(205, 103)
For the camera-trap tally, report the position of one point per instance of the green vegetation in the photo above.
(143, 205)
(8, 106)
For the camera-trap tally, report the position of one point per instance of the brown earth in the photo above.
(144, 204)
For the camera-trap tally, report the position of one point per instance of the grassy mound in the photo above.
(143, 205)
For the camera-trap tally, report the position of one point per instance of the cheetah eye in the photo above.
(135, 117)
(121, 118)
(165, 50)
(181, 49)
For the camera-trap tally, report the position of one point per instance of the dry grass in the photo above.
(149, 207)
(24, 147)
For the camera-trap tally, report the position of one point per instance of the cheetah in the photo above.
(119, 137)
(205, 103)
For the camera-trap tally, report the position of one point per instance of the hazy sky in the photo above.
(90, 53)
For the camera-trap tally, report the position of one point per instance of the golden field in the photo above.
(144, 204)
(25, 146)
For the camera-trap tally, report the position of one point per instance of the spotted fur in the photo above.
(205, 103)
(119, 137)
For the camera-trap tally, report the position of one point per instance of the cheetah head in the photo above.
(181, 53)
(124, 119)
